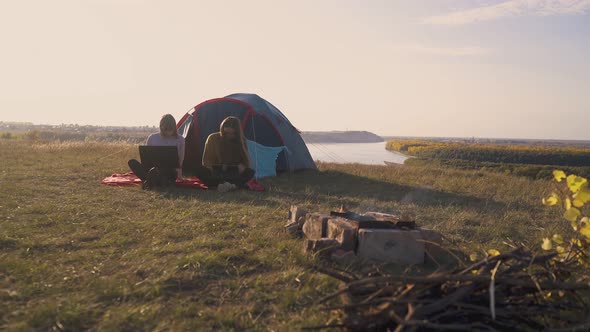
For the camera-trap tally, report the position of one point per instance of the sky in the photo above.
(512, 68)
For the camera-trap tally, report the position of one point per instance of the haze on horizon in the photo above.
(512, 68)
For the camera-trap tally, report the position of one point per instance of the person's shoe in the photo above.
(152, 180)
(145, 185)
(254, 185)
(225, 187)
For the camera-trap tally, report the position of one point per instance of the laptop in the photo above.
(159, 156)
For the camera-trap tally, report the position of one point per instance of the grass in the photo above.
(77, 255)
(544, 172)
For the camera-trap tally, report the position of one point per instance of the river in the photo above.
(362, 153)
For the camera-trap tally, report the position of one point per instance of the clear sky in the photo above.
(516, 68)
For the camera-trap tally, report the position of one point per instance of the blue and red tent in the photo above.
(261, 122)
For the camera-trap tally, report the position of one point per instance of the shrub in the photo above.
(573, 194)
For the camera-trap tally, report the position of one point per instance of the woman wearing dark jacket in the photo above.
(225, 157)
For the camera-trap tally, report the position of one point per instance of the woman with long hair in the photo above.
(225, 157)
(168, 136)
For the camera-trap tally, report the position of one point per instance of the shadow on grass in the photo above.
(335, 187)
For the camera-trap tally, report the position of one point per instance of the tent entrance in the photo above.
(259, 129)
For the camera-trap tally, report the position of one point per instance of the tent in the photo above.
(261, 122)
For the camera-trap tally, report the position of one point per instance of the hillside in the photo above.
(340, 137)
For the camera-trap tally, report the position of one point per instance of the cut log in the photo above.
(433, 243)
(391, 246)
(383, 216)
(295, 214)
(296, 220)
(343, 231)
(315, 225)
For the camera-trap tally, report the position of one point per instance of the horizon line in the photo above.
(325, 131)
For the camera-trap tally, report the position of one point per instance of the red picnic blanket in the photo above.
(130, 180)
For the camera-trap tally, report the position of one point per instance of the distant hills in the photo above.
(340, 137)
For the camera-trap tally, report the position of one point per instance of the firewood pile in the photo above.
(514, 291)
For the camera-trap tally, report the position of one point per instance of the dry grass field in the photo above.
(77, 255)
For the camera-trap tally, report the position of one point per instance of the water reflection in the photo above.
(362, 153)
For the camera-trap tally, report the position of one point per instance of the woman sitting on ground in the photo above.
(168, 136)
(225, 157)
